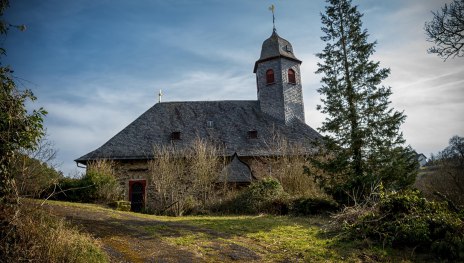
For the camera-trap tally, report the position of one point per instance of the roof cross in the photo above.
(272, 8)
(160, 94)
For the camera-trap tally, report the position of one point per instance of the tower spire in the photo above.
(272, 8)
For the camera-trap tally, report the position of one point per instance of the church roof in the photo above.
(234, 124)
(275, 47)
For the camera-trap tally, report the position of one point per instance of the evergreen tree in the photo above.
(362, 130)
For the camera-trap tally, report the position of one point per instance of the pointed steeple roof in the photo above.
(275, 47)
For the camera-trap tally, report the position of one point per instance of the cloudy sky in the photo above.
(96, 65)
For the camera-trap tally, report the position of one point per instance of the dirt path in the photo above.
(126, 237)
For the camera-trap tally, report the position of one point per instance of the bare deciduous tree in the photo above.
(36, 169)
(288, 167)
(185, 177)
(446, 30)
(444, 176)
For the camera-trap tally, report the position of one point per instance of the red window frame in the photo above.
(144, 184)
(291, 76)
(270, 76)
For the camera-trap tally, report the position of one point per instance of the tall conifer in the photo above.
(361, 128)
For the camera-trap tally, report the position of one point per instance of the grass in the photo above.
(261, 238)
(274, 238)
(40, 237)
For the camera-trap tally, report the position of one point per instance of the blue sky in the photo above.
(95, 66)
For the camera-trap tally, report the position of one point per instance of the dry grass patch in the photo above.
(37, 236)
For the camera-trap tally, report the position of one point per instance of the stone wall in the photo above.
(136, 170)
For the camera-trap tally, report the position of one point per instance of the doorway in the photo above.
(137, 195)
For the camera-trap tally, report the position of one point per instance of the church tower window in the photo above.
(291, 76)
(269, 76)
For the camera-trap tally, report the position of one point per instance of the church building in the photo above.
(242, 127)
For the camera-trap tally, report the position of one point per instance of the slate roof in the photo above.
(231, 122)
(275, 47)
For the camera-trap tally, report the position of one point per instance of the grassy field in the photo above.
(261, 238)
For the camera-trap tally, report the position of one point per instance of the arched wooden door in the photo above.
(137, 195)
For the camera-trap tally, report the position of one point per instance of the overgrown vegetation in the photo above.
(267, 196)
(443, 176)
(40, 237)
(287, 167)
(264, 196)
(185, 178)
(405, 218)
(33, 177)
(98, 184)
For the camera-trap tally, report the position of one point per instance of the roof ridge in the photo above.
(204, 101)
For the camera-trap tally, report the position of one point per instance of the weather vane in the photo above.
(272, 8)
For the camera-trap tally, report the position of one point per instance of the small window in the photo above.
(175, 135)
(253, 134)
(269, 76)
(209, 124)
(291, 76)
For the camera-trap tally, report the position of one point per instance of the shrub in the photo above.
(99, 184)
(101, 175)
(264, 196)
(70, 189)
(407, 219)
(312, 205)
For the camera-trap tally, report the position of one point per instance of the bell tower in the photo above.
(278, 80)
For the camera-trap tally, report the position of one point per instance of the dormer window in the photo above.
(175, 135)
(269, 76)
(209, 124)
(291, 76)
(253, 134)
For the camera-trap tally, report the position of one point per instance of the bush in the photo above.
(100, 174)
(70, 189)
(407, 219)
(264, 196)
(312, 205)
(99, 184)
